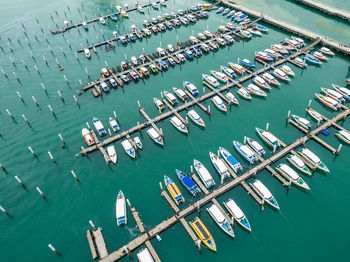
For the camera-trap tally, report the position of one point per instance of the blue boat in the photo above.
(246, 152)
(197, 51)
(188, 54)
(312, 60)
(230, 160)
(190, 87)
(228, 71)
(188, 182)
(99, 127)
(163, 64)
(261, 28)
(171, 61)
(132, 37)
(245, 62)
(114, 17)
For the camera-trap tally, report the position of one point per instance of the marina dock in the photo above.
(174, 111)
(97, 244)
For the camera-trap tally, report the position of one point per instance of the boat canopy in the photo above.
(246, 150)
(188, 181)
(153, 133)
(297, 161)
(220, 165)
(126, 145)
(120, 207)
(235, 210)
(311, 155)
(218, 216)
(204, 173)
(203, 232)
(194, 114)
(176, 121)
(98, 125)
(289, 171)
(270, 137)
(262, 189)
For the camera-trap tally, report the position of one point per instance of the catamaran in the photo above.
(244, 93)
(196, 118)
(256, 146)
(178, 124)
(99, 127)
(228, 71)
(288, 172)
(287, 70)
(342, 90)
(230, 160)
(159, 104)
(269, 138)
(114, 125)
(343, 135)
(191, 88)
(89, 139)
(301, 121)
(264, 193)
(188, 183)
(237, 68)
(112, 154)
(299, 164)
(210, 80)
(333, 94)
(157, 138)
(270, 79)
(330, 102)
(204, 174)
(219, 103)
(312, 159)
(129, 149)
(246, 152)
(261, 82)
(170, 97)
(237, 213)
(232, 98)
(219, 166)
(120, 212)
(174, 190)
(137, 142)
(220, 220)
(281, 75)
(219, 76)
(180, 93)
(203, 233)
(255, 90)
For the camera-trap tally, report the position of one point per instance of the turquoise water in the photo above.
(308, 225)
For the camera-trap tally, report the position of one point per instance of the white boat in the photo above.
(112, 154)
(180, 94)
(155, 136)
(256, 146)
(219, 166)
(171, 48)
(343, 135)
(299, 164)
(264, 193)
(288, 172)
(99, 127)
(159, 104)
(137, 142)
(326, 51)
(255, 90)
(190, 87)
(232, 98)
(281, 75)
(178, 124)
(85, 25)
(246, 152)
(272, 53)
(219, 76)
(101, 19)
(312, 159)
(89, 139)
(220, 220)
(230, 160)
(270, 79)
(129, 149)
(314, 114)
(201, 36)
(204, 174)
(196, 118)
(114, 125)
(144, 255)
(210, 80)
(333, 94)
(193, 39)
(170, 97)
(120, 209)
(287, 70)
(244, 93)
(134, 60)
(269, 138)
(219, 103)
(87, 52)
(140, 9)
(261, 82)
(237, 213)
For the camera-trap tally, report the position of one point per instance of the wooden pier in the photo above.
(174, 111)
(228, 101)
(151, 121)
(97, 244)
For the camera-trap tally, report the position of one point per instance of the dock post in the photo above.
(203, 89)
(36, 102)
(138, 123)
(25, 119)
(161, 186)
(288, 116)
(267, 126)
(32, 151)
(115, 115)
(199, 244)
(4, 210)
(61, 137)
(109, 132)
(50, 155)
(198, 207)
(19, 181)
(74, 175)
(128, 202)
(53, 113)
(3, 168)
(83, 149)
(209, 108)
(75, 99)
(40, 192)
(308, 106)
(87, 124)
(16, 76)
(60, 95)
(138, 103)
(20, 96)
(9, 113)
(338, 150)
(262, 204)
(274, 149)
(92, 224)
(53, 249)
(245, 140)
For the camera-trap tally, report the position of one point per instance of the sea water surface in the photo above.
(310, 225)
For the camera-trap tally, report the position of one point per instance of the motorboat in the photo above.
(176, 122)
(229, 39)
(254, 31)
(343, 135)
(237, 213)
(300, 62)
(286, 69)
(113, 82)
(342, 90)
(264, 193)
(114, 125)
(280, 49)
(237, 68)
(196, 118)
(244, 93)
(174, 191)
(326, 51)
(203, 233)
(181, 57)
(246, 34)
(171, 49)
(246, 152)
(124, 14)
(170, 97)
(220, 219)
(188, 183)
(272, 53)
(312, 59)
(330, 102)
(161, 51)
(333, 94)
(188, 54)
(312, 159)
(255, 90)
(207, 34)
(228, 71)
(155, 6)
(231, 161)
(201, 36)
(191, 88)
(232, 98)
(140, 9)
(226, 11)
(281, 75)
(105, 72)
(113, 17)
(180, 94)
(210, 80)
(230, 26)
(85, 25)
(89, 139)
(246, 63)
(298, 164)
(261, 82)
(315, 115)
(320, 56)
(144, 71)
(204, 47)
(102, 20)
(292, 176)
(217, 101)
(99, 127)
(204, 174)
(137, 142)
(256, 146)
(220, 10)
(261, 28)
(87, 52)
(153, 68)
(193, 39)
(128, 148)
(134, 60)
(159, 104)
(112, 154)
(156, 137)
(268, 138)
(270, 79)
(263, 56)
(301, 121)
(120, 209)
(104, 86)
(299, 40)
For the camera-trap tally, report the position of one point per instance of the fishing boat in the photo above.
(281, 75)
(159, 104)
(105, 72)
(137, 142)
(217, 101)
(157, 138)
(196, 118)
(280, 49)
(190, 87)
(102, 21)
(246, 63)
(87, 52)
(330, 102)
(237, 68)
(342, 90)
(312, 60)
(89, 139)
(268, 138)
(203, 233)
(230, 160)
(301, 121)
(219, 76)
(287, 70)
(261, 82)
(237, 213)
(326, 51)
(99, 127)
(120, 209)
(264, 193)
(178, 124)
(312, 159)
(300, 62)
(314, 114)
(343, 135)
(244, 93)
(180, 93)
(320, 56)
(210, 80)
(299, 164)
(263, 56)
(220, 219)
(333, 94)
(188, 183)
(232, 98)
(228, 71)
(253, 89)
(270, 79)
(128, 148)
(256, 146)
(204, 174)
(174, 191)
(170, 97)
(112, 154)
(114, 125)
(219, 166)
(246, 152)
(288, 172)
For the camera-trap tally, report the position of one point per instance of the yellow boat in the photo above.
(124, 14)
(206, 5)
(174, 190)
(203, 233)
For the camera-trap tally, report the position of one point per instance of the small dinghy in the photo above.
(301, 121)
(256, 146)
(244, 93)
(237, 213)
(129, 149)
(281, 75)
(196, 118)
(329, 102)
(312, 159)
(342, 90)
(237, 68)
(157, 138)
(191, 88)
(178, 124)
(112, 154)
(264, 193)
(255, 90)
(220, 220)
(99, 127)
(210, 80)
(170, 97)
(290, 174)
(286, 69)
(188, 183)
(228, 71)
(89, 139)
(230, 160)
(219, 166)
(159, 104)
(114, 125)
(137, 142)
(299, 164)
(219, 76)
(261, 82)
(120, 212)
(270, 79)
(217, 101)
(246, 152)
(180, 94)
(268, 138)
(232, 98)
(174, 191)
(204, 174)
(343, 135)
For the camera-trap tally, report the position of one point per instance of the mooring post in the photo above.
(308, 106)
(40, 192)
(51, 157)
(53, 249)
(32, 151)
(19, 181)
(267, 126)
(74, 175)
(4, 210)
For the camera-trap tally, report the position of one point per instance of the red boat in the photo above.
(89, 140)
